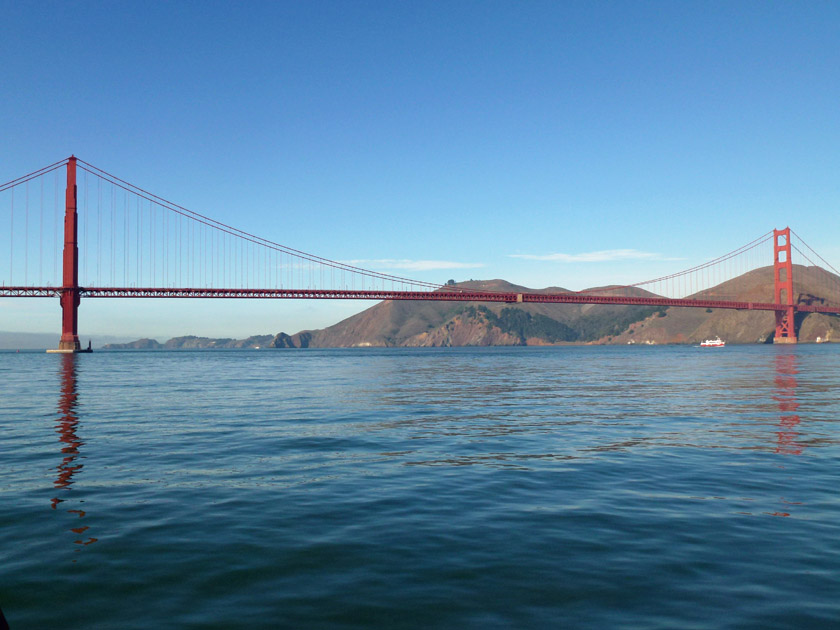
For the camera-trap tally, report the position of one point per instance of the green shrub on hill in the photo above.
(522, 324)
(611, 323)
(596, 325)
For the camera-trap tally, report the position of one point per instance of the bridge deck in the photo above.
(438, 296)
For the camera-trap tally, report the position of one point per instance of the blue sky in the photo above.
(436, 140)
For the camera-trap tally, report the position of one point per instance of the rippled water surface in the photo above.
(662, 487)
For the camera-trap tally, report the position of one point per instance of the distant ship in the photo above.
(713, 343)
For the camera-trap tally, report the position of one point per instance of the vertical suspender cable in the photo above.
(26, 239)
(140, 245)
(137, 244)
(112, 246)
(126, 220)
(99, 231)
(152, 244)
(113, 234)
(179, 264)
(55, 226)
(85, 214)
(41, 238)
(12, 240)
(126, 215)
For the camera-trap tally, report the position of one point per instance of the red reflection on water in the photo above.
(67, 423)
(66, 426)
(786, 371)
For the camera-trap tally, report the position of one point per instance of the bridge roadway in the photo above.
(438, 296)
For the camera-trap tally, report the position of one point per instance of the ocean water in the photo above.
(575, 487)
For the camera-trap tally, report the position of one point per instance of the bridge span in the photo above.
(433, 296)
(160, 249)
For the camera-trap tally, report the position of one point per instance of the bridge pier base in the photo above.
(69, 321)
(785, 329)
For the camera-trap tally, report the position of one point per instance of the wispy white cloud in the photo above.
(607, 255)
(412, 265)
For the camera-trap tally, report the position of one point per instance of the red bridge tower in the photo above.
(783, 284)
(70, 285)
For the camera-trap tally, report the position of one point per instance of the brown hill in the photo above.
(191, 342)
(690, 325)
(430, 323)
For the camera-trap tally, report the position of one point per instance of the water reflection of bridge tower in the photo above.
(786, 371)
(68, 422)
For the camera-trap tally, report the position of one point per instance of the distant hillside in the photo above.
(42, 341)
(428, 323)
(193, 342)
(431, 323)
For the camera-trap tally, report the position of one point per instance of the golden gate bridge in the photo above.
(139, 245)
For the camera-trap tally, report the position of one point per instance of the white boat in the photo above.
(713, 343)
